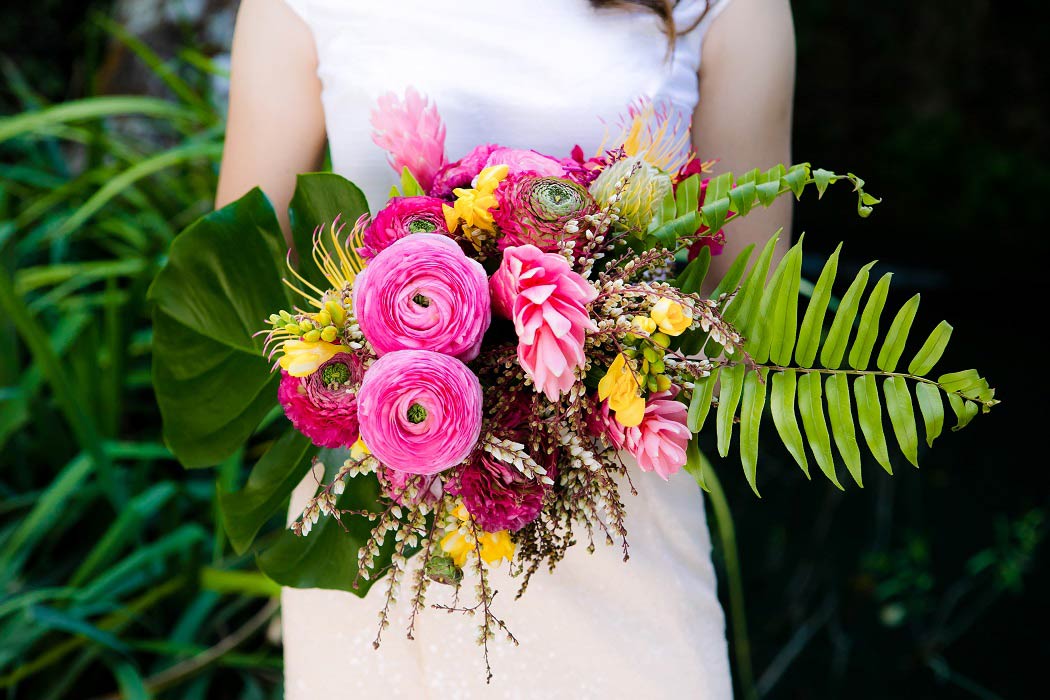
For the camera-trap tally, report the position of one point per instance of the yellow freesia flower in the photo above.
(472, 206)
(671, 317)
(620, 387)
(301, 358)
(359, 450)
(489, 178)
(459, 544)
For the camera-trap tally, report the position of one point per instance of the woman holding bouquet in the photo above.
(541, 74)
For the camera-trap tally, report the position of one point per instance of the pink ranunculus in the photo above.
(420, 411)
(412, 133)
(525, 161)
(497, 495)
(423, 293)
(659, 443)
(402, 216)
(462, 172)
(397, 484)
(323, 405)
(540, 210)
(547, 301)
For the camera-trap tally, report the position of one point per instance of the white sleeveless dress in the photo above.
(540, 74)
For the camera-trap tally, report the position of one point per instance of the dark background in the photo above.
(926, 584)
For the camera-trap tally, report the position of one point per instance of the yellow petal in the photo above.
(451, 217)
(489, 178)
(631, 415)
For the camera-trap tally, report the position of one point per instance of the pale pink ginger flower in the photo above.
(660, 441)
(547, 301)
(412, 133)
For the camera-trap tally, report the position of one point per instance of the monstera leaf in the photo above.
(214, 384)
(824, 374)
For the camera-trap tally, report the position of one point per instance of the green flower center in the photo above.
(416, 413)
(555, 198)
(335, 373)
(421, 300)
(421, 226)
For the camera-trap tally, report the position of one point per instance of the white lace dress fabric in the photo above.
(543, 74)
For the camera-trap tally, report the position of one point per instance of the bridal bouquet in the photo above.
(508, 342)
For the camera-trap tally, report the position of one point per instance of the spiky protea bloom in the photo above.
(323, 405)
(655, 132)
(412, 133)
(497, 495)
(402, 216)
(642, 195)
(537, 210)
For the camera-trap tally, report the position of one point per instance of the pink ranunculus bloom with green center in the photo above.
(402, 216)
(659, 443)
(547, 301)
(543, 211)
(419, 411)
(423, 293)
(323, 405)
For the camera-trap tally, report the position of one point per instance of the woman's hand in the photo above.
(747, 85)
(275, 128)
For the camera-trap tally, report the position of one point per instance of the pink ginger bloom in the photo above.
(402, 216)
(497, 495)
(525, 161)
(420, 411)
(412, 133)
(660, 441)
(423, 293)
(323, 405)
(462, 172)
(547, 301)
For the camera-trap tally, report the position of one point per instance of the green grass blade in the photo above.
(92, 108)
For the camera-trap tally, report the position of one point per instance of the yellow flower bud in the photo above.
(671, 317)
(663, 382)
(644, 324)
(323, 318)
(329, 333)
(621, 387)
(312, 336)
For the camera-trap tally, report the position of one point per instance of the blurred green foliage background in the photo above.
(115, 578)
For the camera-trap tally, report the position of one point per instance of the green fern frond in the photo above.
(858, 354)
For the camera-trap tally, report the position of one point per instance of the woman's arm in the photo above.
(747, 85)
(275, 128)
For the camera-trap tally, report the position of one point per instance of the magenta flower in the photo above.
(660, 441)
(396, 485)
(525, 161)
(412, 133)
(498, 495)
(548, 303)
(423, 293)
(462, 172)
(542, 211)
(401, 217)
(323, 405)
(420, 411)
